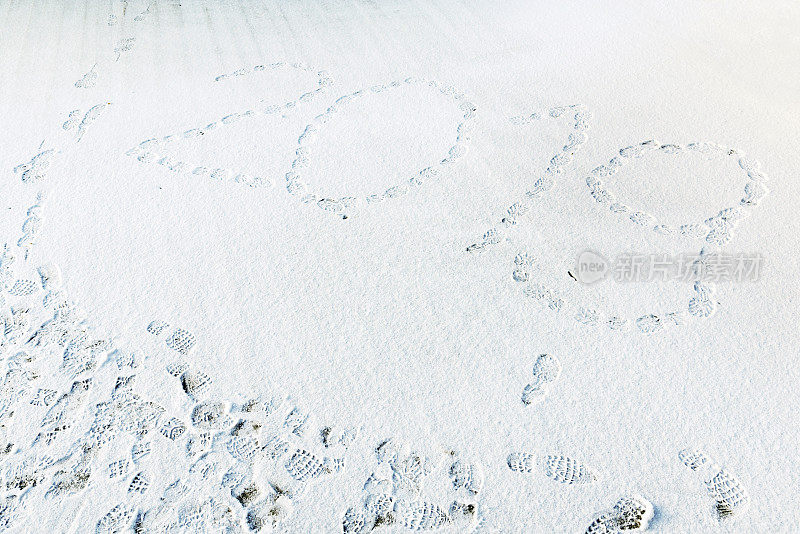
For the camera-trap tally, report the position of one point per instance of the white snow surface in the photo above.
(305, 228)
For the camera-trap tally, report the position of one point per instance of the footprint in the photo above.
(394, 494)
(157, 327)
(23, 288)
(172, 428)
(61, 415)
(155, 150)
(44, 397)
(356, 522)
(701, 304)
(12, 511)
(118, 468)
(195, 383)
(141, 17)
(83, 354)
(546, 370)
(181, 341)
(88, 118)
(140, 449)
(116, 520)
(420, 515)
(139, 483)
(50, 275)
(296, 421)
(629, 514)
(68, 482)
(36, 169)
(567, 470)
(649, 323)
(124, 45)
(559, 468)
(729, 495)
(210, 416)
(88, 80)
(467, 476)
(304, 466)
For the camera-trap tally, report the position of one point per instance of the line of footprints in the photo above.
(700, 303)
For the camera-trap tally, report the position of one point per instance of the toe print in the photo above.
(522, 462)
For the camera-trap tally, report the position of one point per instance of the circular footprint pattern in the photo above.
(717, 229)
(296, 184)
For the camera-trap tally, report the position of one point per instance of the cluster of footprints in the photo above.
(276, 448)
(122, 46)
(74, 427)
(716, 231)
(77, 123)
(244, 464)
(394, 494)
(78, 120)
(633, 513)
(296, 185)
(579, 119)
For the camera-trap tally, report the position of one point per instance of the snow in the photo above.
(354, 219)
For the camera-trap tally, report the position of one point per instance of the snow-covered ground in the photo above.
(311, 266)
